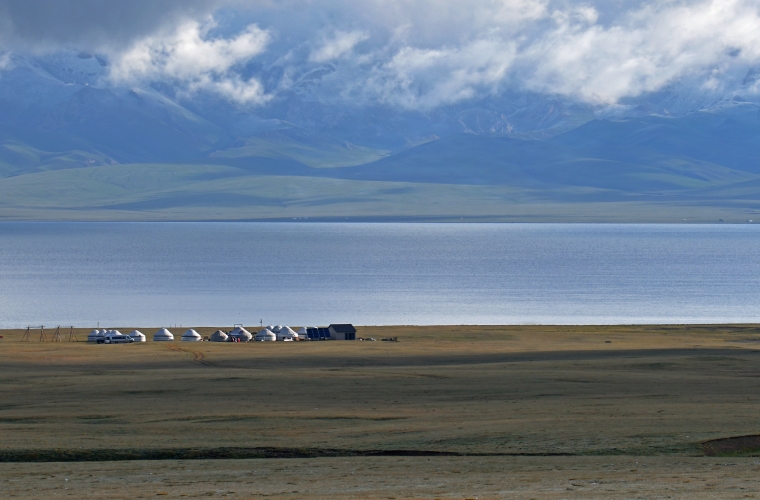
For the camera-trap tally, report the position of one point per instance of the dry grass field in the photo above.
(489, 412)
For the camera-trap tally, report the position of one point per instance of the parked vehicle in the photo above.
(116, 338)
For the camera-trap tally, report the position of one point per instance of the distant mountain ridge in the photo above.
(59, 113)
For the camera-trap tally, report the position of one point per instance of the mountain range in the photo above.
(74, 147)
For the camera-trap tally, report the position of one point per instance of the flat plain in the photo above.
(446, 412)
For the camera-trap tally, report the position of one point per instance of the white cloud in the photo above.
(651, 48)
(188, 56)
(340, 44)
(5, 60)
(420, 54)
(514, 11)
(570, 50)
(427, 78)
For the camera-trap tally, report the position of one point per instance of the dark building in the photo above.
(342, 332)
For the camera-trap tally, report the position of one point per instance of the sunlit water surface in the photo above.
(313, 274)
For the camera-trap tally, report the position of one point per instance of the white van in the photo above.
(116, 338)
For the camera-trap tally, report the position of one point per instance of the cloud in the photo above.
(190, 57)
(651, 48)
(426, 78)
(49, 24)
(340, 44)
(412, 54)
(572, 50)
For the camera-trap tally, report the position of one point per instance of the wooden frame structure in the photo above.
(27, 336)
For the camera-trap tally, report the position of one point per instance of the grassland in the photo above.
(447, 412)
(162, 192)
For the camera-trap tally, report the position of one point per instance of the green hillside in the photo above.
(308, 149)
(637, 170)
(214, 192)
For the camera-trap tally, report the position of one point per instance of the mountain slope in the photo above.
(468, 159)
(68, 131)
(729, 136)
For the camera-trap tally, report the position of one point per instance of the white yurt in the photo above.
(266, 335)
(191, 336)
(163, 335)
(302, 332)
(137, 336)
(276, 328)
(287, 334)
(94, 335)
(218, 336)
(114, 332)
(242, 334)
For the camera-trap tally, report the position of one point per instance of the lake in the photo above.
(209, 274)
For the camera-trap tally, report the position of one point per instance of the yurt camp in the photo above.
(241, 334)
(163, 335)
(94, 335)
(286, 334)
(137, 336)
(218, 336)
(191, 336)
(266, 335)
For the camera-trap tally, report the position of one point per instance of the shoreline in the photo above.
(11, 333)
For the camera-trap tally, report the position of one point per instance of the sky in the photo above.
(409, 54)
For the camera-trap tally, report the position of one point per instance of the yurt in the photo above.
(242, 334)
(94, 335)
(302, 334)
(191, 336)
(218, 336)
(276, 328)
(266, 335)
(163, 335)
(137, 336)
(287, 334)
(114, 332)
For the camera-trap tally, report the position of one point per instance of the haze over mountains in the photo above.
(78, 141)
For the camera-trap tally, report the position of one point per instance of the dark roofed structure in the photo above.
(342, 332)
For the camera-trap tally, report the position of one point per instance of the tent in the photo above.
(266, 335)
(287, 334)
(242, 334)
(191, 336)
(302, 332)
(95, 335)
(163, 335)
(276, 328)
(137, 335)
(218, 336)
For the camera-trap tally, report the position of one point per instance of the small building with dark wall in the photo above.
(342, 332)
(318, 333)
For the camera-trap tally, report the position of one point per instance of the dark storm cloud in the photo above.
(46, 24)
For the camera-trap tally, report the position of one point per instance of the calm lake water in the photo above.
(198, 274)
